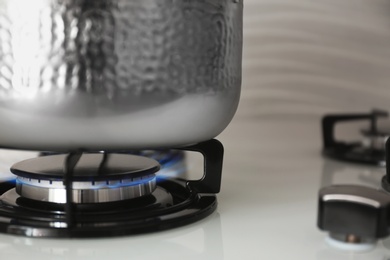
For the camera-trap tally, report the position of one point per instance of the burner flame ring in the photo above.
(123, 177)
(103, 193)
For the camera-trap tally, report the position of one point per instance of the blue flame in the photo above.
(172, 166)
(121, 185)
(100, 186)
(11, 181)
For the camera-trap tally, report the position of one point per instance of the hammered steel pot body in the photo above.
(117, 74)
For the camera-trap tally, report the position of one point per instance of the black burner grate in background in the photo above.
(353, 151)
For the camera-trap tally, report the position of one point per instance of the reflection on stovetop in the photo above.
(336, 172)
(191, 242)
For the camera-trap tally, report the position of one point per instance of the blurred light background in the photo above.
(310, 57)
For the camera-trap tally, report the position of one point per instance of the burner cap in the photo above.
(97, 178)
(91, 167)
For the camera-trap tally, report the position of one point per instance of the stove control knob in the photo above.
(354, 212)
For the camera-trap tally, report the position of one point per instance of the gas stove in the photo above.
(107, 194)
(302, 60)
(267, 207)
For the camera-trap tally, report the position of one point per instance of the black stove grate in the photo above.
(353, 151)
(174, 203)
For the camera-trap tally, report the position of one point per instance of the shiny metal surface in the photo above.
(86, 192)
(97, 178)
(91, 167)
(352, 198)
(108, 74)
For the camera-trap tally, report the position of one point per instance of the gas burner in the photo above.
(98, 178)
(371, 150)
(103, 194)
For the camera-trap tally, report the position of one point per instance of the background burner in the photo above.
(369, 150)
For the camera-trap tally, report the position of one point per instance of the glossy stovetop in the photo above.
(267, 207)
(302, 59)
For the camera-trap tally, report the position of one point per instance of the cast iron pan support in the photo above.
(329, 122)
(71, 161)
(353, 151)
(212, 152)
(210, 183)
(386, 178)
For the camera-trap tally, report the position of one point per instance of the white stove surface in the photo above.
(302, 59)
(267, 208)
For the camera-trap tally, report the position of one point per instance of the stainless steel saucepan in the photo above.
(117, 74)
